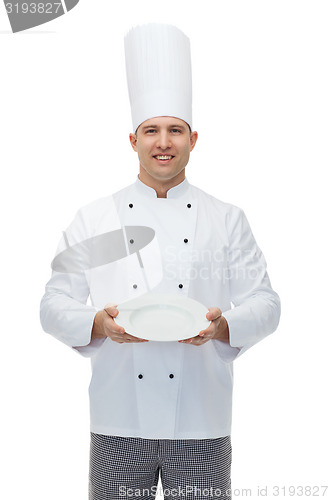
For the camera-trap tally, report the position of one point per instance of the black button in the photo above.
(189, 205)
(131, 241)
(131, 205)
(180, 285)
(134, 286)
(140, 376)
(185, 240)
(171, 375)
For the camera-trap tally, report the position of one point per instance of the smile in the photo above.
(163, 157)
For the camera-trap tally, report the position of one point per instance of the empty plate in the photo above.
(162, 317)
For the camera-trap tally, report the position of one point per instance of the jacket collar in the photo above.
(174, 192)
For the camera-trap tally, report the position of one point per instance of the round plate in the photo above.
(162, 317)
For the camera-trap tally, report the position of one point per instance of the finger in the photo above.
(111, 310)
(210, 331)
(197, 340)
(206, 332)
(113, 327)
(213, 313)
(186, 341)
(126, 338)
(131, 338)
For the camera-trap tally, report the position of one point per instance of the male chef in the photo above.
(160, 409)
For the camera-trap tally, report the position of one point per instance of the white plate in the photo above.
(162, 317)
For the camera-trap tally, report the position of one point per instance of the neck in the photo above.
(161, 186)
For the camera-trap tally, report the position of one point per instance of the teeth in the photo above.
(163, 157)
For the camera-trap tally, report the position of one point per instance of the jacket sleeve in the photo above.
(256, 309)
(64, 312)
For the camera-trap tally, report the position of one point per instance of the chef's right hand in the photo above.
(105, 326)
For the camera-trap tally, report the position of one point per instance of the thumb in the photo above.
(214, 312)
(111, 309)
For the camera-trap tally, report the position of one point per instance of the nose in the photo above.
(163, 141)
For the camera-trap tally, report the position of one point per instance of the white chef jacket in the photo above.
(203, 249)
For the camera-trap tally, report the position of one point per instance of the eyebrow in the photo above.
(169, 126)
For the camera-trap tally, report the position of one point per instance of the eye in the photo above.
(150, 131)
(176, 130)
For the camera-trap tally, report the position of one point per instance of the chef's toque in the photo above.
(159, 75)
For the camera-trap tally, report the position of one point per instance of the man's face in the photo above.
(163, 145)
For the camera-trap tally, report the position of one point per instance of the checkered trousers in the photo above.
(129, 468)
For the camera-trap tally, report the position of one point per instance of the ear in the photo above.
(133, 141)
(193, 138)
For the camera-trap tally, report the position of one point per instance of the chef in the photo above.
(161, 408)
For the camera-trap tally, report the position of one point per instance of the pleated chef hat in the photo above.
(159, 74)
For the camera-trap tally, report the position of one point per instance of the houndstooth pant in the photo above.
(190, 469)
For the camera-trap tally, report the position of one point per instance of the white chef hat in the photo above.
(159, 75)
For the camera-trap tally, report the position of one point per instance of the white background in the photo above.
(261, 108)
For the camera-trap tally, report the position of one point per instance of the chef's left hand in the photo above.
(218, 329)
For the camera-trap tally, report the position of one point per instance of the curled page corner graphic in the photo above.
(28, 14)
(70, 4)
(103, 249)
